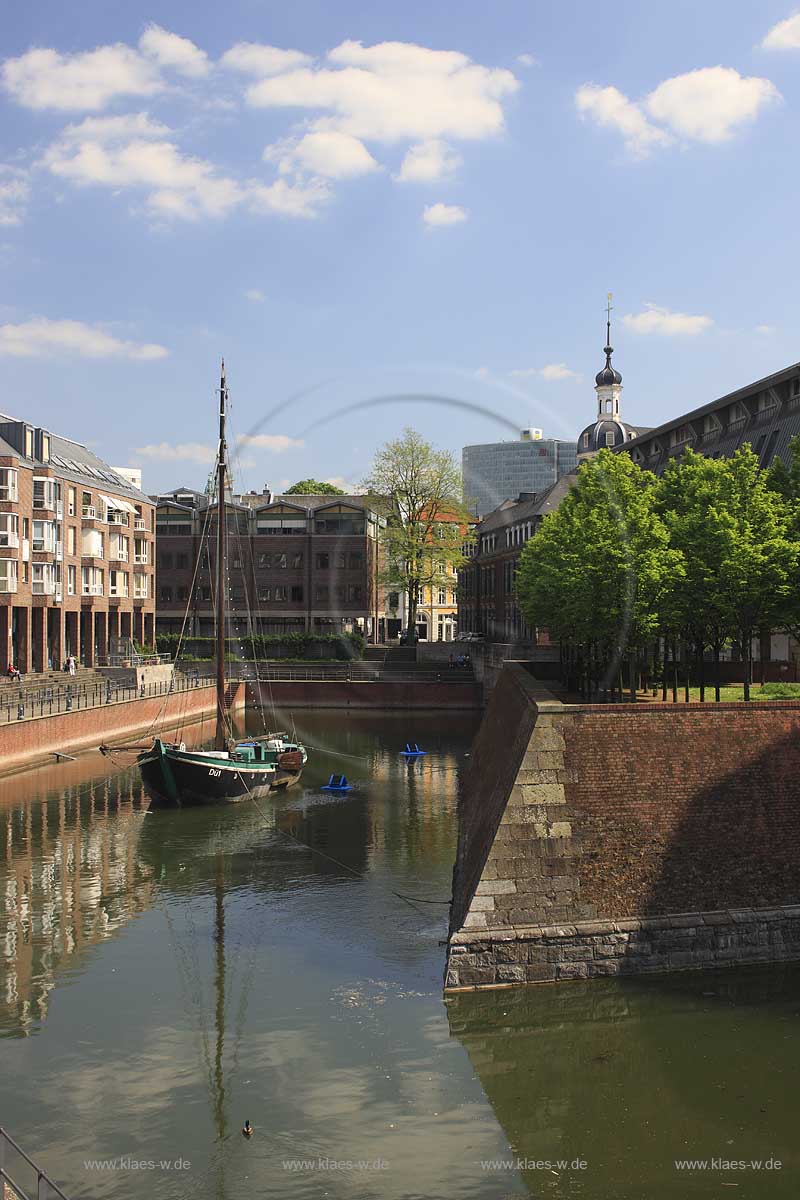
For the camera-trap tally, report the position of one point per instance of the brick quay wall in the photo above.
(618, 839)
(36, 740)
(383, 694)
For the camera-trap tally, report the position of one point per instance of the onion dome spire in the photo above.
(608, 376)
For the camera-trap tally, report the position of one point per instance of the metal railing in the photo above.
(353, 673)
(23, 704)
(12, 1185)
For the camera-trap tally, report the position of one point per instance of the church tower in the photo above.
(608, 430)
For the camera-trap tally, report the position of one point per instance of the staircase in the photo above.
(35, 681)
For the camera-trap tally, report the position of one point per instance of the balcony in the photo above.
(140, 525)
(43, 587)
(117, 518)
(117, 594)
(88, 512)
(92, 589)
(117, 554)
(140, 558)
(9, 541)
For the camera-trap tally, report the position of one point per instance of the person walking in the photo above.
(71, 663)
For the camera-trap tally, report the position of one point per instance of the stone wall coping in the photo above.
(602, 927)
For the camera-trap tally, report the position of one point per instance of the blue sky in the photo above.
(357, 201)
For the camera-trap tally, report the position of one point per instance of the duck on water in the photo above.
(233, 770)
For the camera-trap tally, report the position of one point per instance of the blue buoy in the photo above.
(413, 751)
(337, 783)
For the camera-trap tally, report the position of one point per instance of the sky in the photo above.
(387, 215)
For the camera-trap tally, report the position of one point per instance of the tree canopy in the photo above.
(704, 555)
(313, 487)
(426, 522)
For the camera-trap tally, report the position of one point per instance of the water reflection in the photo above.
(631, 1076)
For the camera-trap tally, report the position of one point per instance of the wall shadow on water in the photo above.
(630, 1075)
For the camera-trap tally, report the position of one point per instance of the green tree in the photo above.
(600, 571)
(426, 522)
(692, 500)
(313, 487)
(758, 564)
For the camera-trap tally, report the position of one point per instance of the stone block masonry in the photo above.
(619, 839)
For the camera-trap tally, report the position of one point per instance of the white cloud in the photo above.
(43, 338)
(132, 152)
(610, 107)
(710, 104)
(527, 60)
(347, 485)
(436, 215)
(278, 442)
(301, 199)
(253, 58)
(784, 36)
(550, 371)
(170, 50)
(175, 184)
(429, 162)
(394, 90)
(765, 330)
(327, 152)
(90, 80)
(14, 192)
(254, 295)
(187, 451)
(656, 319)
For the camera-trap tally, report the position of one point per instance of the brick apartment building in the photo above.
(486, 600)
(298, 563)
(76, 552)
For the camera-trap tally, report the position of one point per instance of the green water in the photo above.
(165, 976)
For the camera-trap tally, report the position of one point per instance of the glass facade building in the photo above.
(499, 471)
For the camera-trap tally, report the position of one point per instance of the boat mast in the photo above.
(221, 737)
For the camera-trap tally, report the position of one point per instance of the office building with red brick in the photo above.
(296, 564)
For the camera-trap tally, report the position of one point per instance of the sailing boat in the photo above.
(233, 770)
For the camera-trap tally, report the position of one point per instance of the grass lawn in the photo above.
(731, 692)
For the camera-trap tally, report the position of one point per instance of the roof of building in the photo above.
(769, 429)
(257, 501)
(527, 507)
(74, 462)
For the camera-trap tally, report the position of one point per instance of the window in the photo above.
(181, 561)
(44, 536)
(586, 441)
(166, 594)
(8, 575)
(139, 550)
(237, 594)
(297, 594)
(265, 593)
(280, 593)
(442, 596)
(140, 586)
(71, 502)
(297, 561)
(265, 561)
(321, 592)
(340, 523)
(341, 562)
(204, 592)
(92, 542)
(610, 438)
(8, 489)
(91, 581)
(164, 561)
(71, 580)
(183, 593)
(323, 562)
(393, 600)
(356, 560)
(279, 560)
(9, 529)
(42, 579)
(236, 562)
(117, 583)
(355, 593)
(71, 539)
